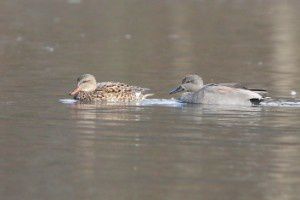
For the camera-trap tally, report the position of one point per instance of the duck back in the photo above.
(223, 95)
(114, 92)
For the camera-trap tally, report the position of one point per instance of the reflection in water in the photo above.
(89, 119)
(234, 115)
(85, 121)
(281, 184)
(114, 114)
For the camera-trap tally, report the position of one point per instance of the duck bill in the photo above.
(176, 90)
(75, 91)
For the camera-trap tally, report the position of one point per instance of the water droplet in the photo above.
(82, 35)
(56, 19)
(127, 36)
(48, 48)
(173, 36)
(19, 39)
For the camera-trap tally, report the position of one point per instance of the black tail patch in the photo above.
(256, 102)
(259, 90)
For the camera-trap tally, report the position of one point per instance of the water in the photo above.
(158, 149)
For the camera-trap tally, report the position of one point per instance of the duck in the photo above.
(194, 91)
(89, 91)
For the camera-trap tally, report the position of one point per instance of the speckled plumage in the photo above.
(113, 92)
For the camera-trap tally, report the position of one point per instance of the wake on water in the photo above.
(145, 102)
(281, 103)
(176, 103)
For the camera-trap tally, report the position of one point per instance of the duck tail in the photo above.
(259, 91)
(256, 101)
(147, 95)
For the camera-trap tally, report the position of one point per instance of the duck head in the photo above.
(190, 83)
(85, 83)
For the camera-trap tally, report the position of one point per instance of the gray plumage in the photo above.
(221, 94)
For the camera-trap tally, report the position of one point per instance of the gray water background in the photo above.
(52, 150)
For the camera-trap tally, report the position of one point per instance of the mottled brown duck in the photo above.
(89, 91)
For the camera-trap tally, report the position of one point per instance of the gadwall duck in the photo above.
(88, 90)
(221, 94)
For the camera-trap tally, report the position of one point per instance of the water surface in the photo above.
(157, 150)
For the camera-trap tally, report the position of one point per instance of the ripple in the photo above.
(68, 101)
(176, 103)
(162, 102)
(281, 103)
(146, 102)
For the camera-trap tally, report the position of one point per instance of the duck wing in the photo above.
(224, 95)
(122, 91)
(119, 87)
(241, 86)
